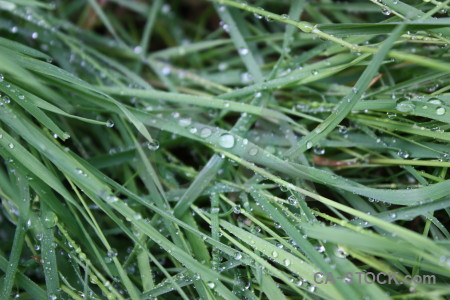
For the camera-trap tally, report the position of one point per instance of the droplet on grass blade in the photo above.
(243, 51)
(226, 140)
(405, 106)
(440, 111)
(205, 132)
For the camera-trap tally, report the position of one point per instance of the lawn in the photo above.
(193, 149)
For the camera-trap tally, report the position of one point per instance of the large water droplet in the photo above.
(253, 151)
(435, 101)
(226, 140)
(405, 106)
(205, 132)
(185, 122)
(243, 51)
(440, 111)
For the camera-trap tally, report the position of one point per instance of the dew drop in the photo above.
(226, 140)
(435, 101)
(137, 50)
(112, 199)
(109, 124)
(403, 154)
(243, 51)
(319, 151)
(287, 262)
(405, 106)
(253, 151)
(193, 130)
(309, 145)
(205, 132)
(2, 77)
(185, 122)
(440, 111)
(80, 172)
(153, 146)
(340, 252)
(112, 253)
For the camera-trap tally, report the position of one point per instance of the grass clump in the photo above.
(224, 149)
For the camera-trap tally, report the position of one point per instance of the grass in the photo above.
(224, 149)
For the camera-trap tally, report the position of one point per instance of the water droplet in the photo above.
(257, 16)
(243, 51)
(309, 145)
(393, 215)
(193, 130)
(405, 106)
(319, 151)
(343, 129)
(166, 71)
(403, 154)
(386, 11)
(435, 101)
(238, 256)
(253, 151)
(211, 285)
(222, 66)
(185, 122)
(287, 262)
(34, 35)
(440, 111)
(112, 253)
(80, 172)
(237, 209)
(11, 145)
(137, 50)
(275, 254)
(109, 124)
(391, 115)
(292, 200)
(2, 77)
(226, 140)
(112, 199)
(340, 253)
(205, 132)
(153, 146)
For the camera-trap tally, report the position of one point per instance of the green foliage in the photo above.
(223, 149)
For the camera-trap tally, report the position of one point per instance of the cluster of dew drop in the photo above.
(407, 106)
